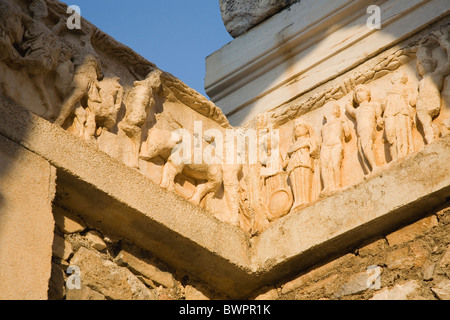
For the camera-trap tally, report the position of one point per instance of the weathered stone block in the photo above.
(420, 253)
(414, 255)
(95, 240)
(319, 285)
(62, 249)
(107, 278)
(145, 268)
(269, 294)
(239, 16)
(405, 291)
(442, 290)
(412, 231)
(67, 222)
(358, 283)
(428, 271)
(445, 261)
(84, 294)
(400, 259)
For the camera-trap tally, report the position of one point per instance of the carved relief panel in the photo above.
(338, 135)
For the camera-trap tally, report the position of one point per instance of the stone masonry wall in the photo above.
(112, 269)
(414, 263)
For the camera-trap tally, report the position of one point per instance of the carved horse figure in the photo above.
(161, 144)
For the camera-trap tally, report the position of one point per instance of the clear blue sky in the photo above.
(176, 35)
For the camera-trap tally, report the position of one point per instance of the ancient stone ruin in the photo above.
(318, 170)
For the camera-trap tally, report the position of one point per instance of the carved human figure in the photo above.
(38, 8)
(103, 106)
(433, 75)
(399, 115)
(276, 194)
(11, 33)
(237, 211)
(64, 71)
(334, 133)
(268, 143)
(368, 116)
(301, 163)
(84, 81)
(138, 103)
(42, 49)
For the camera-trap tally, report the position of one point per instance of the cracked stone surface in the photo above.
(239, 16)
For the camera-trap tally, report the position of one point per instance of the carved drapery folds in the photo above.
(340, 134)
(303, 165)
(432, 72)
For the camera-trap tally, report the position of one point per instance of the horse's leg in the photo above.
(170, 171)
(214, 182)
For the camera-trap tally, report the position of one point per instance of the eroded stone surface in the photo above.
(27, 189)
(405, 291)
(95, 240)
(106, 278)
(445, 261)
(66, 222)
(62, 249)
(442, 290)
(144, 267)
(84, 294)
(360, 282)
(412, 231)
(239, 16)
(194, 294)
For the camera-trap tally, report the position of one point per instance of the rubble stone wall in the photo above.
(411, 263)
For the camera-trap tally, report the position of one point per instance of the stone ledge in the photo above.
(123, 202)
(405, 192)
